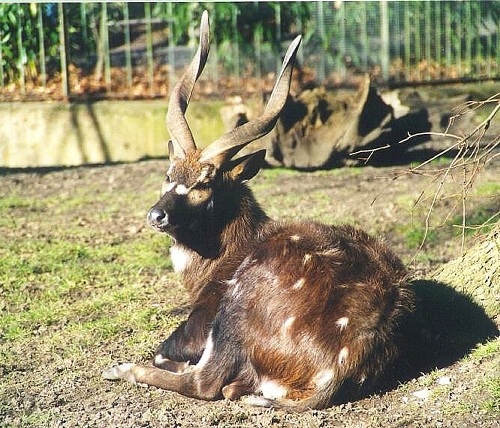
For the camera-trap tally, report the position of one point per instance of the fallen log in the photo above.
(320, 128)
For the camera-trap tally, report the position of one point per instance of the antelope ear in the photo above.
(175, 150)
(246, 167)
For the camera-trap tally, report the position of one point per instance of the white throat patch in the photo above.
(181, 258)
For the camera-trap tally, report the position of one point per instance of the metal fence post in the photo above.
(105, 45)
(277, 15)
(342, 42)
(1, 60)
(257, 40)
(417, 46)
(384, 36)
(170, 47)
(407, 42)
(21, 50)
(363, 35)
(63, 50)
(437, 36)
(427, 39)
(128, 56)
(447, 39)
(298, 17)
(41, 46)
(468, 39)
(149, 46)
(234, 22)
(321, 29)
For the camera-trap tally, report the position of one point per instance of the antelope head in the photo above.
(198, 180)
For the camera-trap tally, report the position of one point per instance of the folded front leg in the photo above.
(189, 383)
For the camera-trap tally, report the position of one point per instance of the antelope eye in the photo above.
(200, 185)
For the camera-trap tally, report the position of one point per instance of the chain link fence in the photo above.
(128, 50)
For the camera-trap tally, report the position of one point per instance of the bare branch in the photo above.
(472, 154)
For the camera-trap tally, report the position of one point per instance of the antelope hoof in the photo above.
(122, 371)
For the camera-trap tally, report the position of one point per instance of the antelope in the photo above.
(283, 314)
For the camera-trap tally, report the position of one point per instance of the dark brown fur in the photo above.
(284, 313)
(305, 306)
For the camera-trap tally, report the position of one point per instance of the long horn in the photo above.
(224, 148)
(179, 99)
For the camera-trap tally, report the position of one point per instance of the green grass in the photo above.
(486, 350)
(68, 276)
(275, 190)
(415, 236)
(490, 385)
(492, 404)
(488, 189)
(85, 284)
(49, 282)
(483, 204)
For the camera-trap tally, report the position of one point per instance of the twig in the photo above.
(471, 157)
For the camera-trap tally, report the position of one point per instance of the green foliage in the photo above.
(337, 36)
(21, 41)
(416, 235)
(18, 37)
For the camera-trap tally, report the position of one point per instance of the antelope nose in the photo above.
(156, 216)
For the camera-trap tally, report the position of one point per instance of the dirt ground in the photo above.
(369, 197)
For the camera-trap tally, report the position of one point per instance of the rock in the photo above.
(422, 394)
(444, 380)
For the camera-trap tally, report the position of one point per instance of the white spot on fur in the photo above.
(342, 323)
(329, 253)
(323, 377)
(167, 187)
(287, 325)
(181, 258)
(207, 352)
(235, 285)
(307, 259)
(272, 390)
(159, 359)
(180, 189)
(343, 354)
(295, 238)
(299, 284)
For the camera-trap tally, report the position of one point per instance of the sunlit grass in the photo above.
(85, 284)
(75, 271)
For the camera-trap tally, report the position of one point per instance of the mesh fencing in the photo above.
(138, 49)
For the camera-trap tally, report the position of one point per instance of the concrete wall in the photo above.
(35, 134)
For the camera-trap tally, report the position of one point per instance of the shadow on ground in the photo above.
(445, 326)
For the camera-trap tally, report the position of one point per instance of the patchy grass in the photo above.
(86, 284)
(486, 350)
(483, 206)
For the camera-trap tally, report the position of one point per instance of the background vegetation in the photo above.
(44, 44)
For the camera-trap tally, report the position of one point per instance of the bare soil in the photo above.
(74, 395)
